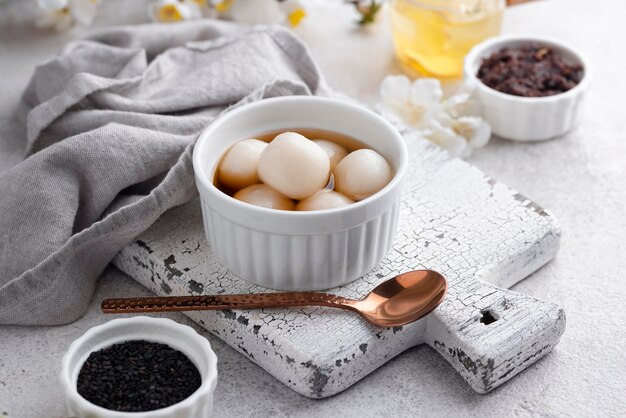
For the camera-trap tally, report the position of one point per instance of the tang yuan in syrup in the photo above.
(289, 171)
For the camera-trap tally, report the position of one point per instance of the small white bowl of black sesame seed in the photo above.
(137, 368)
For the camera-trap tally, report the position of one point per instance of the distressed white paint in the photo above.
(454, 219)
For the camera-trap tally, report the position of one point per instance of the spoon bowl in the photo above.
(395, 302)
(404, 298)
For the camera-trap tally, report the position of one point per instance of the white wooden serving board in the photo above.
(477, 232)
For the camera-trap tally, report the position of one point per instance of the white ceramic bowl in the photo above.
(165, 331)
(299, 250)
(527, 118)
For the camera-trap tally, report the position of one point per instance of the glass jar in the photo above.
(433, 36)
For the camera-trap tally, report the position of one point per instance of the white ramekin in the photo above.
(526, 118)
(299, 250)
(165, 331)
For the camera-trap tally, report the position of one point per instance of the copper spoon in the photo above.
(397, 301)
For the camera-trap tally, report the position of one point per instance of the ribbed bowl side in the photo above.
(201, 408)
(300, 262)
(530, 122)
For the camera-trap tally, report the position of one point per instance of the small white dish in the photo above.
(292, 250)
(160, 330)
(527, 118)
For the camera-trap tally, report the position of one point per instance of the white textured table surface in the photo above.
(580, 177)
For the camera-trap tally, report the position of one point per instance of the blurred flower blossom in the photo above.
(244, 11)
(453, 124)
(261, 11)
(61, 14)
(411, 104)
(174, 10)
(294, 10)
(252, 11)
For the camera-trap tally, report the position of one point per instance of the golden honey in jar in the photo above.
(433, 36)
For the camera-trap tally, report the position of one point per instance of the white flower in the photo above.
(260, 11)
(221, 6)
(412, 104)
(453, 124)
(175, 10)
(61, 14)
(463, 104)
(294, 10)
(251, 11)
(207, 8)
(474, 129)
(49, 5)
(59, 19)
(84, 11)
(447, 139)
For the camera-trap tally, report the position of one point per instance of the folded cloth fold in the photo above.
(110, 127)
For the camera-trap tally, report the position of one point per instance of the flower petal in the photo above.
(395, 89)
(389, 114)
(449, 140)
(164, 10)
(170, 13)
(294, 10)
(195, 9)
(440, 117)
(48, 5)
(463, 104)
(222, 6)
(174, 11)
(205, 8)
(60, 19)
(396, 94)
(455, 103)
(474, 129)
(467, 152)
(84, 11)
(426, 92)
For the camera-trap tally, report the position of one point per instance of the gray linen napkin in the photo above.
(110, 125)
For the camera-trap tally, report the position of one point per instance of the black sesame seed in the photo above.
(137, 376)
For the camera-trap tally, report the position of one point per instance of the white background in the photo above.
(580, 177)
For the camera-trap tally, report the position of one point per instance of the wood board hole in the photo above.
(487, 316)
